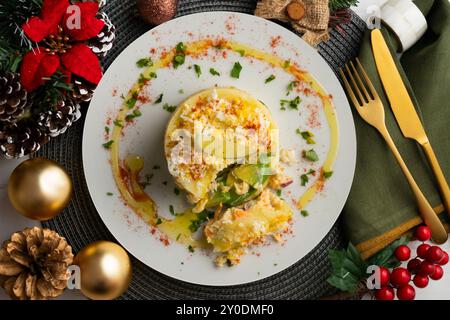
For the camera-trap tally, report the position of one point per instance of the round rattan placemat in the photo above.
(81, 224)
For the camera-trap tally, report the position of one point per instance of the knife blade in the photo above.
(403, 108)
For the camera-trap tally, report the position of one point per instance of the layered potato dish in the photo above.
(222, 149)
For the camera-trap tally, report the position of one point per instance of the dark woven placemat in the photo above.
(81, 224)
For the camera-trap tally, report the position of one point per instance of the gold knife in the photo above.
(404, 110)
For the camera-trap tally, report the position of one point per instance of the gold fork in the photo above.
(369, 106)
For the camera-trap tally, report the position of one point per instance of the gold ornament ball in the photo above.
(105, 270)
(39, 189)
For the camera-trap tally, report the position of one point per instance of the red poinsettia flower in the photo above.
(61, 29)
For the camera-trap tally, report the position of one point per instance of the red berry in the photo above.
(384, 293)
(402, 253)
(444, 259)
(414, 265)
(422, 250)
(406, 293)
(438, 273)
(423, 233)
(400, 276)
(420, 281)
(435, 254)
(427, 268)
(384, 276)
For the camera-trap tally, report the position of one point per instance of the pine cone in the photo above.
(34, 264)
(21, 138)
(56, 120)
(103, 42)
(82, 90)
(13, 97)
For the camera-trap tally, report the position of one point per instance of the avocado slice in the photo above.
(250, 173)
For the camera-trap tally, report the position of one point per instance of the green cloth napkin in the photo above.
(381, 205)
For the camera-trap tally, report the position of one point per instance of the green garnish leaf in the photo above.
(198, 70)
(169, 108)
(291, 86)
(327, 174)
(153, 75)
(181, 91)
(176, 191)
(214, 72)
(202, 217)
(311, 155)
(307, 135)
(172, 210)
(180, 48)
(304, 213)
(178, 236)
(286, 64)
(178, 60)
(236, 71)
(144, 62)
(109, 194)
(158, 221)
(270, 78)
(278, 192)
(108, 144)
(191, 249)
(118, 123)
(292, 104)
(304, 177)
(107, 129)
(142, 79)
(160, 97)
(130, 117)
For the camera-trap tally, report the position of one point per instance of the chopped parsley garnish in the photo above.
(327, 174)
(307, 135)
(179, 57)
(304, 213)
(107, 129)
(191, 249)
(118, 123)
(144, 62)
(108, 144)
(236, 71)
(292, 104)
(304, 177)
(153, 75)
(158, 221)
(109, 194)
(172, 210)
(136, 113)
(169, 108)
(160, 97)
(147, 182)
(311, 155)
(214, 72)
(279, 192)
(241, 52)
(270, 78)
(202, 217)
(132, 101)
(176, 191)
(291, 86)
(180, 48)
(181, 91)
(286, 64)
(198, 70)
(142, 79)
(178, 236)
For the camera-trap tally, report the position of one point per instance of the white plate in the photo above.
(146, 139)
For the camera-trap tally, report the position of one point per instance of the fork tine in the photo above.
(349, 90)
(361, 83)
(355, 86)
(366, 77)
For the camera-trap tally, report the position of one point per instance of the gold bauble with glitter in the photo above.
(105, 270)
(39, 189)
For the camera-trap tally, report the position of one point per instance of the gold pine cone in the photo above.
(33, 264)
